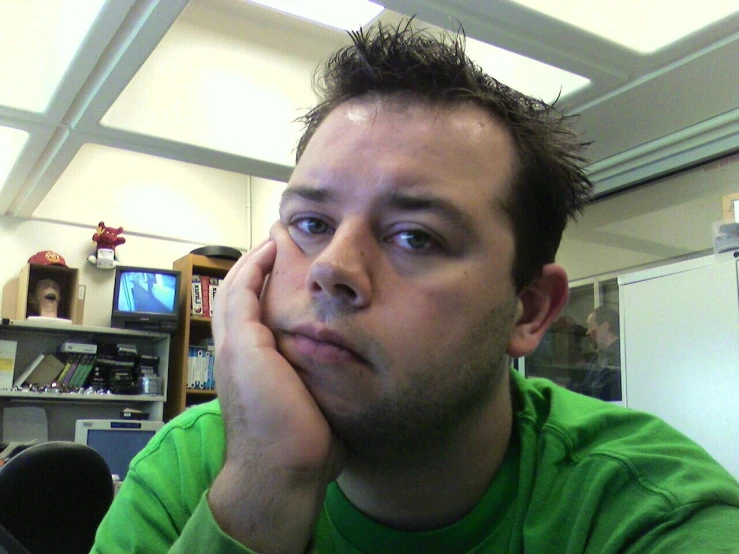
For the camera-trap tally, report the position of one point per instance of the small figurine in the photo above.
(106, 238)
(45, 298)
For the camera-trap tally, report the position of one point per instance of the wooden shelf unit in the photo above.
(192, 330)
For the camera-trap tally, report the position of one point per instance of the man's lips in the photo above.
(322, 345)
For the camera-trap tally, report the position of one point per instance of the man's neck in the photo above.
(441, 485)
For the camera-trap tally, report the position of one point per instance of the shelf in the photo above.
(209, 392)
(74, 396)
(200, 320)
(60, 328)
(64, 408)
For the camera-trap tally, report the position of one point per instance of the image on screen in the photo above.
(147, 292)
(118, 447)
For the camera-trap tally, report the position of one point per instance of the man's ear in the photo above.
(538, 305)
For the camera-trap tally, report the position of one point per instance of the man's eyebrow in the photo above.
(397, 200)
(440, 206)
(303, 192)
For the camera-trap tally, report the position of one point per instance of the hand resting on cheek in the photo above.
(281, 453)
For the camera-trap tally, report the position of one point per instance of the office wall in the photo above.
(265, 199)
(652, 224)
(166, 209)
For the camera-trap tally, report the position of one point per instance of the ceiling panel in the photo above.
(44, 38)
(644, 26)
(219, 81)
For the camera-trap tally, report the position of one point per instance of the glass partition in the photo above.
(579, 352)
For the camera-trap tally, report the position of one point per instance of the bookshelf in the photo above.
(192, 330)
(63, 409)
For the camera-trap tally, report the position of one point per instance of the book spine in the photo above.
(207, 363)
(197, 296)
(75, 360)
(26, 372)
(83, 371)
(212, 289)
(211, 366)
(205, 283)
(67, 367)
(201, 369)
(74, 375)
(190, 367)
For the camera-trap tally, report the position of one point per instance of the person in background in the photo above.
(603, 374)
(365, 397)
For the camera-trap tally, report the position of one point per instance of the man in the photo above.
(603, 374)
(362, 353)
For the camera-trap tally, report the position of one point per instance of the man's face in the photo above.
(392, 292)
(595, 332)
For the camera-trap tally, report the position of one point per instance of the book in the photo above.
(67, 367)
(205, 288)
(74, 360)
(7, 363)
(211, 353)
(212, 289)
(197, 296)
(190, 367)
(29, 369)
(83, 371)
(199, 366)
(46, 371)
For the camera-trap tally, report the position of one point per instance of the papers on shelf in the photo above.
(7, 363)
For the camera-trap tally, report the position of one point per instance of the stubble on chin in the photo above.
(435, 401)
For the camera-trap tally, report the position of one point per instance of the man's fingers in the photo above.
(238, 297)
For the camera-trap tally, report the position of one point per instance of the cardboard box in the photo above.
(15, 293)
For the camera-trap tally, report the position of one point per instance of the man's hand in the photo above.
(280, 453)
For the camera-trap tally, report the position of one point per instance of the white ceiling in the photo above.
(129, 88)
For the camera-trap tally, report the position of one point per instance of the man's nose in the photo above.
(343, 270)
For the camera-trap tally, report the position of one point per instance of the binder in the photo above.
(46, 371)
(29, 369)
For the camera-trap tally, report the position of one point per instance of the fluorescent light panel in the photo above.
(39, 40)
(641, 25)
(12, 142)
(341, 14)
(532, 77)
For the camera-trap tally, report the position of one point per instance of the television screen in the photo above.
(147, 291)
(146, 298)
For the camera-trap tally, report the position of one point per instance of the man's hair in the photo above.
(549, 185)
(605, 314)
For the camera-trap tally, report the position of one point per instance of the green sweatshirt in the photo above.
(580, 475)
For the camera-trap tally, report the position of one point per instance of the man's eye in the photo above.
(414, 240)
(312, 226)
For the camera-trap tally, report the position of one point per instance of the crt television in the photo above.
(145, 298)
(116, 440)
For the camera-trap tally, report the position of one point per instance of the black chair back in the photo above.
(53, 496)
